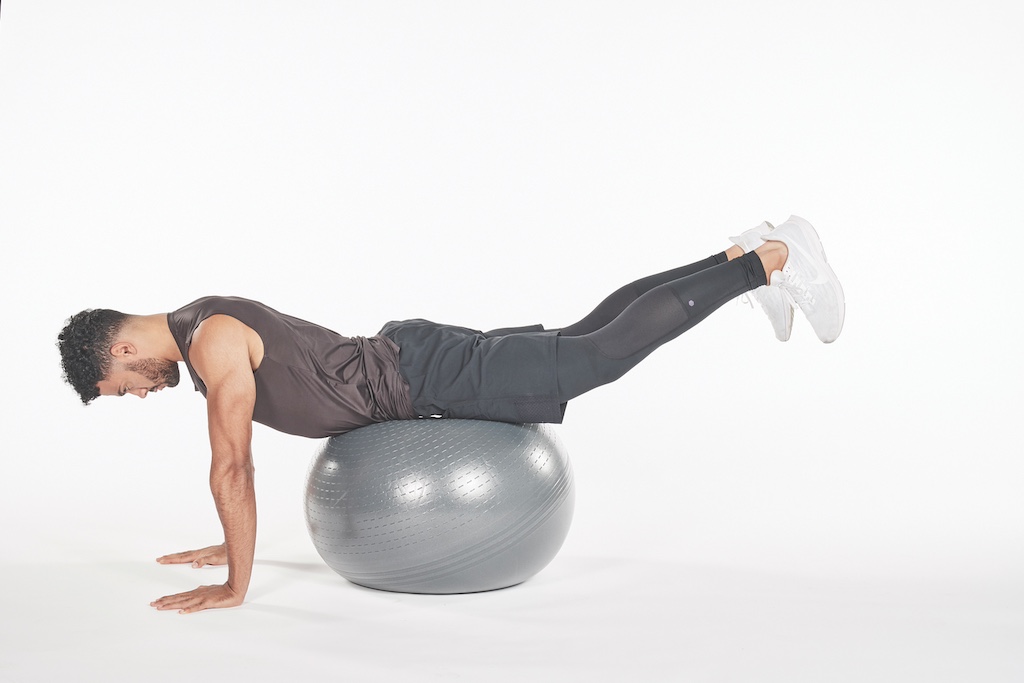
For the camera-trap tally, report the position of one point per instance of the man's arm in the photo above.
(220, 354)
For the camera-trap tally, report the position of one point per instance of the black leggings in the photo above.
(638, 318)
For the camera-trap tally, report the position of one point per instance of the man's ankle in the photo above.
(773, 255)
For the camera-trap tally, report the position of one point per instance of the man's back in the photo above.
(311, 381)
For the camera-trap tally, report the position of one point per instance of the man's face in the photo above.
(139, 377)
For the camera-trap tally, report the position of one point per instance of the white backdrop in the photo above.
(505, 163)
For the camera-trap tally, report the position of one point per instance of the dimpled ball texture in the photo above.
(440, 505)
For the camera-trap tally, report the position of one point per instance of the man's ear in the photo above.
(123, 350)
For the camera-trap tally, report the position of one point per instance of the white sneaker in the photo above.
(808, 279)
(750, 240)
(774, 300)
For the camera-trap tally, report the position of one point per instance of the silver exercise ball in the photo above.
(440, 505)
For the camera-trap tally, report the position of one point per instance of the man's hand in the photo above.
(204, 597)
(213, 555)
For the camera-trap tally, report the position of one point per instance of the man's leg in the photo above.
(616, 302)
(660, 314)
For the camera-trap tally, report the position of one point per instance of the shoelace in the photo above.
(794, 285)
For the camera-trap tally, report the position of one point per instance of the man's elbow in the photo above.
(231, 471)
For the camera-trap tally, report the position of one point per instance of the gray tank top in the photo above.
(312, 381)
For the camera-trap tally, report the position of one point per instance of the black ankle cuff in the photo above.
(754, 269)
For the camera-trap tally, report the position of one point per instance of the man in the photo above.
(255, 364)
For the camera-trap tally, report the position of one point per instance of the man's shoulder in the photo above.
(217, 300)
(220, 338)
(220, 321)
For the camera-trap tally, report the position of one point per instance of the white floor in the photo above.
(583, 618)
(746, 510)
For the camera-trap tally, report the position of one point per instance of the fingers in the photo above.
(214, 559)
(180, 558)
(213, 555)
(204, 597)
(183, 604)
(176, 601)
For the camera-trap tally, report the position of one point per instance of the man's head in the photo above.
(101, 356)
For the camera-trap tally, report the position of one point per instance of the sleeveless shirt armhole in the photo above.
(188, 337)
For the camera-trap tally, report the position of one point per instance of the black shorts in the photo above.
(508, 375)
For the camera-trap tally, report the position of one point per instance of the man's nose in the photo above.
(142, 393)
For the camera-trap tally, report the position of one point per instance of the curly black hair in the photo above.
(84, 345)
